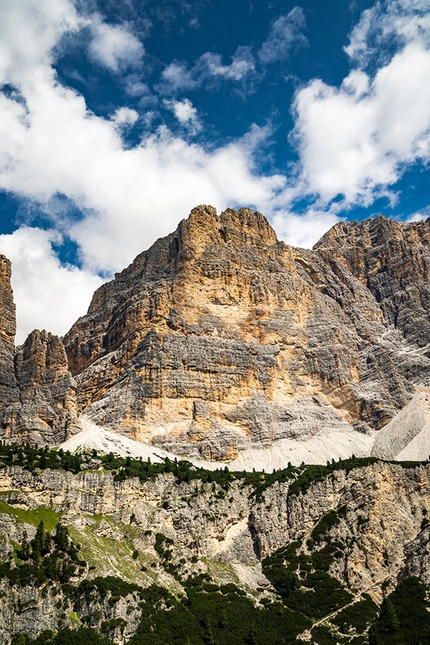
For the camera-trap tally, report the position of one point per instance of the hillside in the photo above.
(149, 554)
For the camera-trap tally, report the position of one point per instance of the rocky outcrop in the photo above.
(8, 387)
(378, 523)
(277, 342)
(392, 260)
(37, 391)
(221, 339)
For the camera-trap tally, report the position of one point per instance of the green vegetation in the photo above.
(403, 618)
(33, 516)
(206, 614)
(46, 557)
(315, 473)
(210, 614)
(32, 458)
(357, 616)
(100, 588)
(302, 580)
(322, 635)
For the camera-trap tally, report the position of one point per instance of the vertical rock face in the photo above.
(220, 338)
(37, 392)
(278, 342)
(8, 388)
(393, 261)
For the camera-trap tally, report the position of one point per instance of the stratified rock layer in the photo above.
(220, 337)
(393, 261)
(8, 387)
(37, 391)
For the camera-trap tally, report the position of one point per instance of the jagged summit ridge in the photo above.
(37, 391)
(266, 341)
(221, 339)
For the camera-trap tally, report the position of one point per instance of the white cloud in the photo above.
(186, 114)
(419, 215)
(124, 117)
(303, 230)
(242, 65)
(48, 294)
(177, 76)
(356, 140)
(113, 46)
(286, 33)
(28, 32)
(209, 67)
(393, 22)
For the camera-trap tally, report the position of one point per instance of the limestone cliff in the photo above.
(393, 261)
(37, 392)
(8, 387)
(220, 337)
(375, 517)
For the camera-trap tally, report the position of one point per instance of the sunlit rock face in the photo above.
(221, 338)
(37, 391)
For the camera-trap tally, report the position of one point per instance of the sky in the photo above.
(117, 118)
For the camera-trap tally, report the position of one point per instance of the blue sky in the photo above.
(117, 118)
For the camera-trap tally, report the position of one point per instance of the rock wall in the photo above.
(222, 315)
(8, 387)
(220, 338)
(37, 391)
(380, 509)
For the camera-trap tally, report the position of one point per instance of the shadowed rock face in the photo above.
(220, 337)
(393, 261)
(37, 391)
(8, 387)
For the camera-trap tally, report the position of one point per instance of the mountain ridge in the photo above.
(221, 338)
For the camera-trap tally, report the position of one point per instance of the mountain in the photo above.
(100, 550)
(222, 343)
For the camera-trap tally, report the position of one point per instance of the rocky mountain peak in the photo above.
(393, 261)
(240, 228)
(7, 305)
(37, 392)
(220, 340)
(279, 343)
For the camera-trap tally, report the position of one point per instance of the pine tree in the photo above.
(38, 542)
(61, 537)
(388, 620)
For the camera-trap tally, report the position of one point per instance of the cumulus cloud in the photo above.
(303, 230)
(29, 31)
(177, 76)
(124, 117)
(209, 67)
(286, 34)
(241, 66)
(356, 140)
(387, 24)
(419, 215)
(48, 294)
(113, 46)
(52, 144)
(186, 114)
